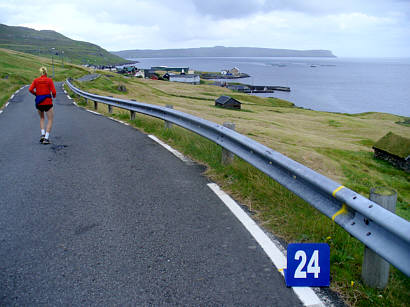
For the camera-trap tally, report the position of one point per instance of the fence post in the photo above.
(375, 270)
(167, 124)
(95, 105)
(132, 115)
(227, 156)
(110, 109)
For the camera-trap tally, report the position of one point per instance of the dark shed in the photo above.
(228, 102)
(394, 149)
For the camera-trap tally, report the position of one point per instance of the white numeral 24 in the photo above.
(312, 267)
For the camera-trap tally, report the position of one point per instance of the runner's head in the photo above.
(43, 71)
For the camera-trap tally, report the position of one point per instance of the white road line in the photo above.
(69, 97)
(172, 150)
(7, 104)
(118, 121)
(12, 96)
(305, 294)
(96, 113)
(1, 111)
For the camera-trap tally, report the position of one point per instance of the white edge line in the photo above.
(12, 96)
(5, 106)
(305, 294)
(172, 150)
(69, 97)
(96, 113)
(1, 111)
(118, 121)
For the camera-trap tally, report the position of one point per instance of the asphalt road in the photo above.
(106, 216)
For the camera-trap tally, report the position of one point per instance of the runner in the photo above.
(42, 88)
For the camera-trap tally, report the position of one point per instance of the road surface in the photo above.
(106, 216)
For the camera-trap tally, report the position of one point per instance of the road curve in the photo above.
(106, 216)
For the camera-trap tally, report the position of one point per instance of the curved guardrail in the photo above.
(382, 231)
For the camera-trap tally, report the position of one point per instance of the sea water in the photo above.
(343, 85)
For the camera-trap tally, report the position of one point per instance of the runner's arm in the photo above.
(53, 89)
(32, 87)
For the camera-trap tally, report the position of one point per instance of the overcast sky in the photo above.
(350, 28)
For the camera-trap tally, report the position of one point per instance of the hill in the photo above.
(41, 43)
(220, 51)
(18, 69)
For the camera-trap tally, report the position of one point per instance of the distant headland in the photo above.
(220, 51)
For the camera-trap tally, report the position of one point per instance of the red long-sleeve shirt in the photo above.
(43, 86)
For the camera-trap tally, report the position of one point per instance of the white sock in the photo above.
(43, 132)
(47, 135)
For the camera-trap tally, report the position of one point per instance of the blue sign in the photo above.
(308, 265)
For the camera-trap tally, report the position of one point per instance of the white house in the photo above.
(191, 79)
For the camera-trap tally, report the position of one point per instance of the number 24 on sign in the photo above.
(308, 264)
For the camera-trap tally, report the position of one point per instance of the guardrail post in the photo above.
(95, 105)
(168, 125)
(227, 156)
(132, 115)
(375, 270)
(110, 109)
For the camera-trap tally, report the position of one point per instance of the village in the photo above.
(189, 76)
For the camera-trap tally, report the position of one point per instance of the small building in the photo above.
(239, 88)
(150, 74)
(127, 70)
(395, 149)
(191, 79)
(139, 73)
(234, 71)
(170, 69)
(228, 102)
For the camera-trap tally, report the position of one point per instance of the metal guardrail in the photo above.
(382, 231)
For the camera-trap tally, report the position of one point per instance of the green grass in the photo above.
(291, 218)
(405, 122)
(363, 172)
(18, 69)
(40, 43)
(334, 123)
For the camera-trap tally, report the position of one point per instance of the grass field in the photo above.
(44, 43)
(18, 69)
(336, 145)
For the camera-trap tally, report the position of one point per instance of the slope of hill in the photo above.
(221, 51)
(18, 69)
(41, 43)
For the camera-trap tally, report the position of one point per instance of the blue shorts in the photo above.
(44, 108)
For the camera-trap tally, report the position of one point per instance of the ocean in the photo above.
(345, 85)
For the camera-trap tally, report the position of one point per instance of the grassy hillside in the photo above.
(336, 145)
(18, 69)
(41, 43)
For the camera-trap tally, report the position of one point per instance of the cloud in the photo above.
(347, 27)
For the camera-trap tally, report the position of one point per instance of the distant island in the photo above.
(220, 51)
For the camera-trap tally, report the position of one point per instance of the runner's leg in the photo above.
(50, 118)
(41, 113)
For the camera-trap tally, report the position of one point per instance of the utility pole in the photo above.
(52, 59)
